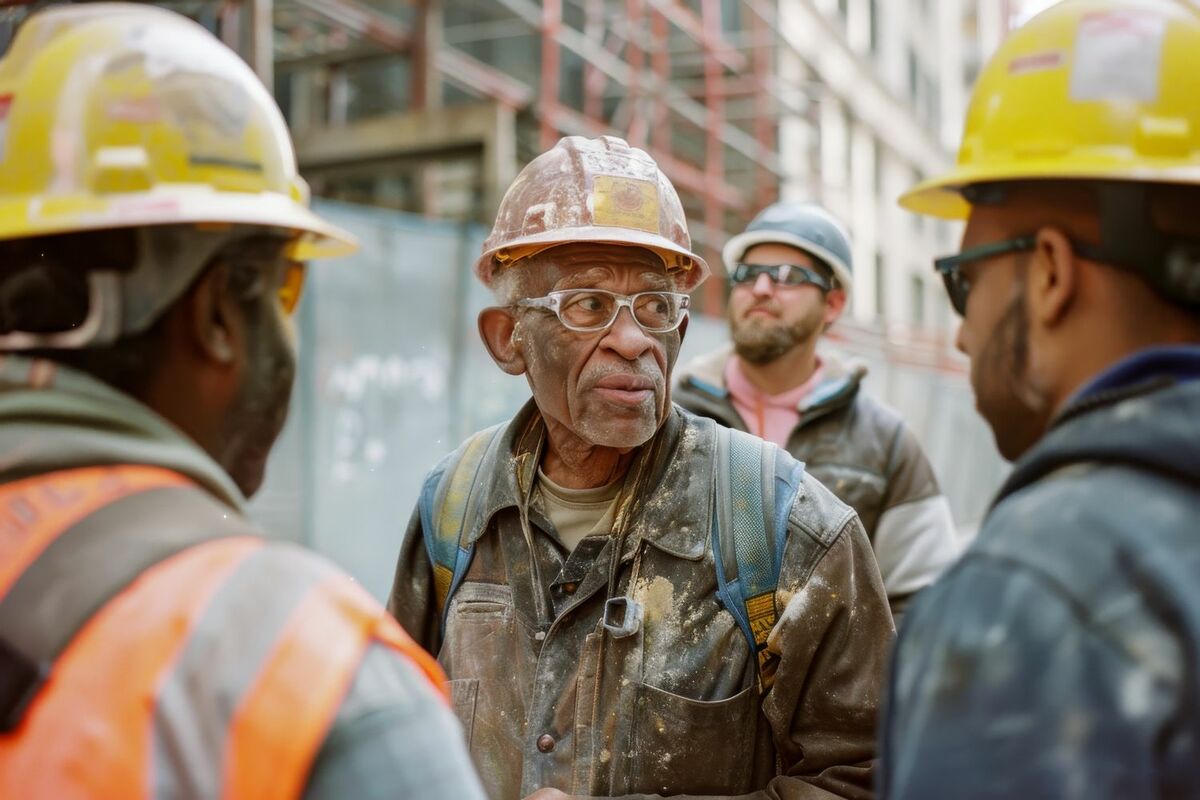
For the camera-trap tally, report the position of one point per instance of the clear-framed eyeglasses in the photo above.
(590, 310)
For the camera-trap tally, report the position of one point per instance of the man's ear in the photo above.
(1053, 276)
(498, 329)
(215, 325)
(683, 323)
(835, 304)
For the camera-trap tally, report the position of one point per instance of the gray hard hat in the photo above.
(802, 225)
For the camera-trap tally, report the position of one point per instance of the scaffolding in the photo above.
(694, 83)
(432, 106)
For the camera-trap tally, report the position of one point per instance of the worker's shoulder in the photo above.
(818, 513)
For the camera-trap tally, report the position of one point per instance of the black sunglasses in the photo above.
(958, 286)
(786, 274)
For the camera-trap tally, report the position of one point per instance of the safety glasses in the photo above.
(782, 274)
(590, 310)
(958, 286)
(292, 287)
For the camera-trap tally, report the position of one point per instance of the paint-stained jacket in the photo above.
(385, 733)
(550, 699)
(1061, 656)
(865, 454)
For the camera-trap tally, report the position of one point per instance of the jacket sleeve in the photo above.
(1002, 687)
(832, 641)
(914, 537)
(392, 738)
(412, 600)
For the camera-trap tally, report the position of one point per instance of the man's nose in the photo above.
(626, 338)
(763, 285)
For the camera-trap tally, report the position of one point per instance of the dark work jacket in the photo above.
(1060, 656)
(548, 698)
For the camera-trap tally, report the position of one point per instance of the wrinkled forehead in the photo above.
(597, 266)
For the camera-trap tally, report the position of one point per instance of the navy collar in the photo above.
(1176, 364)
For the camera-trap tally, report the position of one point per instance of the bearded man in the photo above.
(630, 600)
(791, 277)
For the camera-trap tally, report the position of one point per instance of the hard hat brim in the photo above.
(177, 205)
(686, 280)
(942, 197)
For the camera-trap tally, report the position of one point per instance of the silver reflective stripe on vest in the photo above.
(224, 654)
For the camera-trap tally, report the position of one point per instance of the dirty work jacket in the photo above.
(1061, 656)
(234, 668)
(675, 708)
(866, 455)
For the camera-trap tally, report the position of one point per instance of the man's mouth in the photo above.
(625, 390)
(761, 311)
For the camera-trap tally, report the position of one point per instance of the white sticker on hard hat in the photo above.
(1117, 56)
(625, 203)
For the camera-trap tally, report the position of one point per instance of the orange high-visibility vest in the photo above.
(106, 721)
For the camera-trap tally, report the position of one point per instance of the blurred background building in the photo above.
(411, 117)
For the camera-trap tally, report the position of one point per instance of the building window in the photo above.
(873, 19)
(880, 287)
(878, 167)
(914, 71)
(917, 299)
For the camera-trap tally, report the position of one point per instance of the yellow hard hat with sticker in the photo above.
(1087, 90)
(117, 115)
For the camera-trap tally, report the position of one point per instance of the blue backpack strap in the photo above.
(755, 485)
(448, 500)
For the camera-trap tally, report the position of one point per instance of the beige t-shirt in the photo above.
(578, 513)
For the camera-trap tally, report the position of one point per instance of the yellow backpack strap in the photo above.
(448, 500)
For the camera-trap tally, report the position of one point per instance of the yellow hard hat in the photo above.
(1087, 90)
(121, 115)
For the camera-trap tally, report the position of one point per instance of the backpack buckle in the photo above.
(622, 616)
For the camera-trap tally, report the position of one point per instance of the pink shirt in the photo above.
(771, 416)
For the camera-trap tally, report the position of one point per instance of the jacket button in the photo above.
(545, 743)
(570, 588)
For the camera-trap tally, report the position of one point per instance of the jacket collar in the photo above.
(839, 387)
(671, 508)
(1148, 424)
(53, 418)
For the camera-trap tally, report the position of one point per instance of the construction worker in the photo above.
(152, 644)
(1061, 656)
(790, 273)
(628, 599)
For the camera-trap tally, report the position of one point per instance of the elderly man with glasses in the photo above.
(790, 277)
(628, 599)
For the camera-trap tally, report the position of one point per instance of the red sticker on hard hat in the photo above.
(625, 203)
(1117, 56)
(5, 105)
(1036, 62)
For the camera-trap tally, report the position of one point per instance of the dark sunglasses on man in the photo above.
(958, 285)
(781, 274)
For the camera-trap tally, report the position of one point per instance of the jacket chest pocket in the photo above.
(479, 630)
(685, 746)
